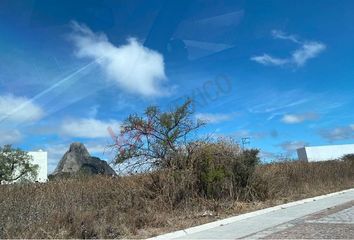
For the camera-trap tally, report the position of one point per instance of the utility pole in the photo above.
(245, 141)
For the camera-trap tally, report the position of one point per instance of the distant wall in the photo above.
(324, 153)
(40, 159)
(301, 153)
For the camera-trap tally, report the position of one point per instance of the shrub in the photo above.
(222, 169)
(348, 157)
(144, 205)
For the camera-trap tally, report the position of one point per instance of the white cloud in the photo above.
(55, 153)
(213, 117)
(278, 34)
(268, 60)
(132, 66)
(298, 118)
(306, 51)
(97, 148)
(88, 128)
(338, 133)
(18, 109)
(9, 137)
(290, 146)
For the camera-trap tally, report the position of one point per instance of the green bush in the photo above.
(223, 169)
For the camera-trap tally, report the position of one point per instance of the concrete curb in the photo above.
(187, 231)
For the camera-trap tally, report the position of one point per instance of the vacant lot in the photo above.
(149, 204)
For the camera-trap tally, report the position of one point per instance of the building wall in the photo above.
(40, 158)
(324, 153)
(301, 153)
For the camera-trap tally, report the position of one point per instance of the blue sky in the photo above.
(279, 72)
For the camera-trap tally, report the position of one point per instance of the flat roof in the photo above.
(336, 145)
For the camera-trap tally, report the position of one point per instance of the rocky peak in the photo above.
(77, 159)
(78, 150)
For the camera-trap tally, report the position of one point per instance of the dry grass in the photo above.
(146, 205)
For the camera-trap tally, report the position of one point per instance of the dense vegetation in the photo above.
(147, 204)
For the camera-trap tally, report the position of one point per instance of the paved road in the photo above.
(326, 218)
(333, 223)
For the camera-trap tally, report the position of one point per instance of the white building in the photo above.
(324, 153)
(40, 158)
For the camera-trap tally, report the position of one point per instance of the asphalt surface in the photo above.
(331, 217)
(333, 223)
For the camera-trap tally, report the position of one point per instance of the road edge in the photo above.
(225, 221)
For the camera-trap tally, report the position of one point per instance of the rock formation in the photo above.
(78, 160)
